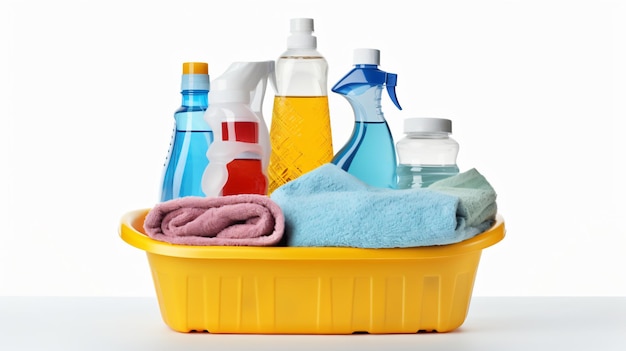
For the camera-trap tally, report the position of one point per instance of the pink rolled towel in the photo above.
(235, 220)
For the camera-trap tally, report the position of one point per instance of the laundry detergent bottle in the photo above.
(300, 132)
(239, 155)
(369, 154)
(186, 158)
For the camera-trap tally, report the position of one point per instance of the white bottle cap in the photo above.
(366, 57)
(301, 34)
(302, 25)
(432, 125)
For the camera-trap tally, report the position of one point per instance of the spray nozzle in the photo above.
(366, 73)
(242, 82)
(245, 83)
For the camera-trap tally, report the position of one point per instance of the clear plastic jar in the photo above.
(426, 153)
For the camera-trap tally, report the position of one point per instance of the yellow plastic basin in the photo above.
(311, 290)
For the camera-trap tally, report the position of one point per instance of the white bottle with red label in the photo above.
(239, 154)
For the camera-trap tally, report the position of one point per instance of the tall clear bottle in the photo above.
(300, 132)
(186, 159)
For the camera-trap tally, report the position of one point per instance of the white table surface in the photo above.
(134, 323)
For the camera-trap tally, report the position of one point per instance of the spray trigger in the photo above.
(390, 82)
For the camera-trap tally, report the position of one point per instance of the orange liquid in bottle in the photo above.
(300, 136)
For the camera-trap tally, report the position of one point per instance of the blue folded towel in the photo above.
(330, 207)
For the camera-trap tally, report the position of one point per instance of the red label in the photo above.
(245, 177)
(247, 132)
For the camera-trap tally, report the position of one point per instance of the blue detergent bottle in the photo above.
(186, 159)
(370, 153)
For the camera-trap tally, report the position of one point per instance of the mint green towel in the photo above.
(477, 198)
(329, 207)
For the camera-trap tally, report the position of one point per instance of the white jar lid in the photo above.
(426, 124)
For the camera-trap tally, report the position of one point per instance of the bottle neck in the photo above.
(190, 115)
(195, 98)
(365, 66)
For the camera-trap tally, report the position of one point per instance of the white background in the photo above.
(535, 90)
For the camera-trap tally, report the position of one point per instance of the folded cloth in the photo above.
(477, 199)
(236, 220)
(329, 207)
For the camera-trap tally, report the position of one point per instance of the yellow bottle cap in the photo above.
(195, 68)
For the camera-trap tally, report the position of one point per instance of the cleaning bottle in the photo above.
(186, 158)
(300, 132)
(370, 153)
(239, 155)
(426, 153)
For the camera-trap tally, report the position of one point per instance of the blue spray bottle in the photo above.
(370, 154)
